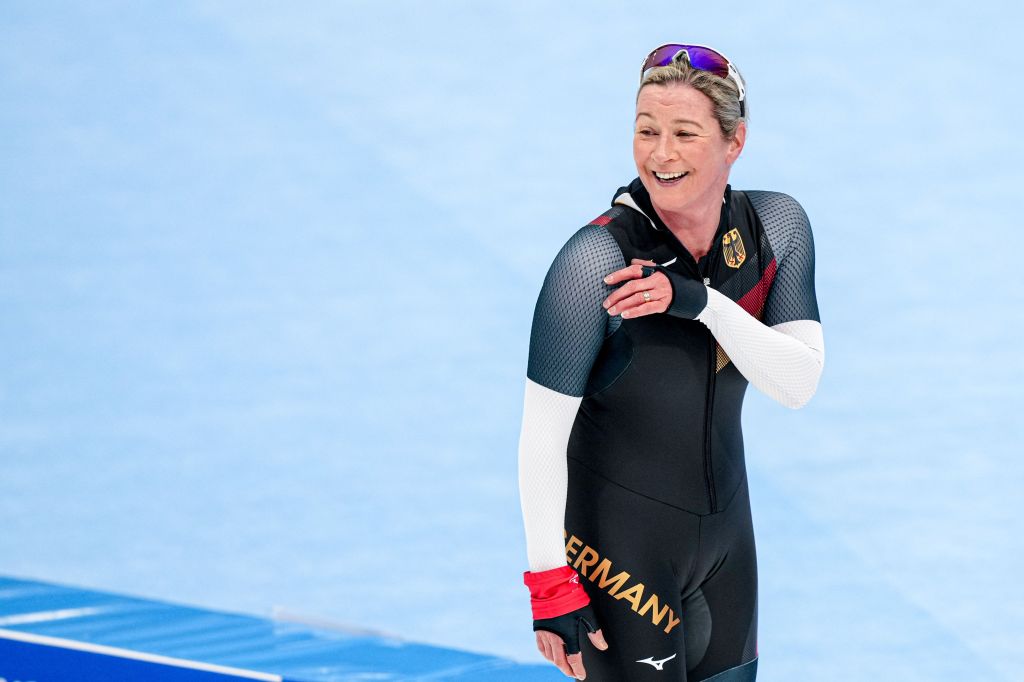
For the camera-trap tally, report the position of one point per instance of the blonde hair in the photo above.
(722, 92)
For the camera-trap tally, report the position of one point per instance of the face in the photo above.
(681, 155)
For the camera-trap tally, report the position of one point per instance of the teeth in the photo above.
(668, 176)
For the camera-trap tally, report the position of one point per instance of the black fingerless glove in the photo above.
(567, 626)
(689, 296)
(559, 603)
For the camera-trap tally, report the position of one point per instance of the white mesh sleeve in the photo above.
(548, 417)
(784, 361)
(569, 328)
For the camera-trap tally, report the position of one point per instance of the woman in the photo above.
(650, 323)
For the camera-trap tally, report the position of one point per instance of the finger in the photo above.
(644, 262)
(655, 286)
(626, 299)
(597, 639)
(622, 292)
(554, 650)
(634, 301)
(559, 660)
(554, 645)
(645, 309)
(657, 283)
(629, 272)
(544, 646)
(576, 663)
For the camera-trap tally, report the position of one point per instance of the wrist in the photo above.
(689, 296)
(555, 592)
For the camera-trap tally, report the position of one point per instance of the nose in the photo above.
(664, 151)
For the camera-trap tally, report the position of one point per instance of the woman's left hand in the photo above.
(628, 300)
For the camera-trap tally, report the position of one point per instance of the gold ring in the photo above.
(647, 296)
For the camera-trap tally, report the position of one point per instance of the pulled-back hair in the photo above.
(722, 92)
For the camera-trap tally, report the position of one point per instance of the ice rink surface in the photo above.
(267, 274)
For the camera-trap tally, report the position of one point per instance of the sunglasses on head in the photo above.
(702, 58)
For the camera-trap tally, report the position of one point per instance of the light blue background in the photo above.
(267, 273)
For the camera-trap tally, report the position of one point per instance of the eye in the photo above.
(646, 132)
(683, 133)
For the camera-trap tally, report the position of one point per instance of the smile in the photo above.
(669, 178)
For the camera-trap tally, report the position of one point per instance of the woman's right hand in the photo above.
(628, 299)
(558, 639)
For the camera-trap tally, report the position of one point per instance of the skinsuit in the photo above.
(631, 451)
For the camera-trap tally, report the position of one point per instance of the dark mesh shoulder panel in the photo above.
(785, 223)
(569, 323)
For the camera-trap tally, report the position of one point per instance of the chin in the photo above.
(669, 198)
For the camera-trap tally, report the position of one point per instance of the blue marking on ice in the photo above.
(130, 638)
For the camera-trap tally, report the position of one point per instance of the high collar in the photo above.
(636, 197)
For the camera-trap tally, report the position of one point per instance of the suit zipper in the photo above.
(709, 478)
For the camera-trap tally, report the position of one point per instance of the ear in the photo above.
(739, 138)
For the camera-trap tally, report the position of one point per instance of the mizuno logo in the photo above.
(658, 665)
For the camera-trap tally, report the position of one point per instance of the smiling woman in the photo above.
(684, 159)
(651, 322)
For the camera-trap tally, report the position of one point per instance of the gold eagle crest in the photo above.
(732, 248)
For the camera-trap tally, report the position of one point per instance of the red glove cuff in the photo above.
(555, 592)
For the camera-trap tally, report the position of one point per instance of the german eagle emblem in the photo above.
(732, 249)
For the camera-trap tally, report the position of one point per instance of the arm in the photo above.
(783, 361)
(784, 356)
(569, 327)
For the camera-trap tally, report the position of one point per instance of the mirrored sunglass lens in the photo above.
(708, 60)
(662, 56)
(700, 57)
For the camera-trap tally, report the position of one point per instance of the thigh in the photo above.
(729, 593)
(625, 548)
